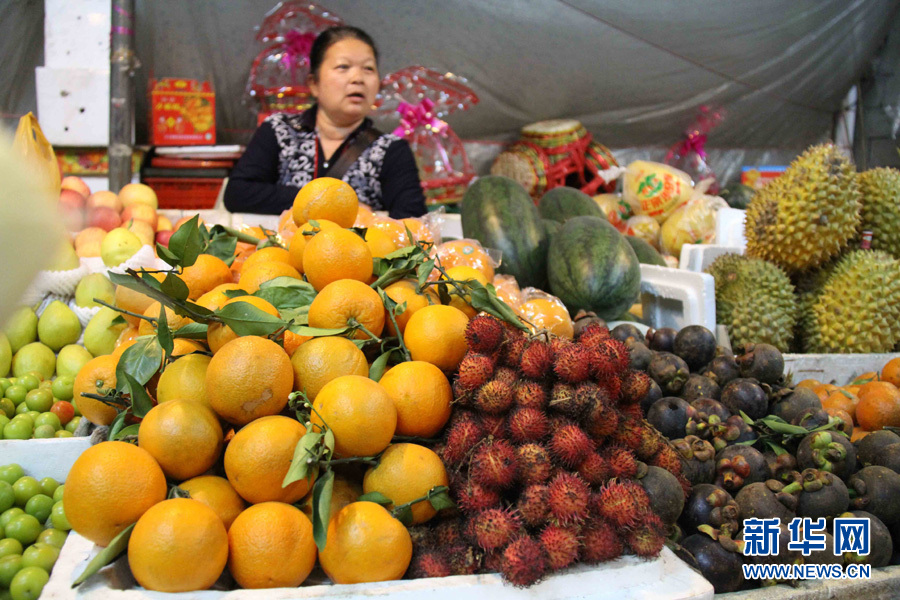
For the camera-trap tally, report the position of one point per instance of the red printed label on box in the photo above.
(758, 177)
(182, 112)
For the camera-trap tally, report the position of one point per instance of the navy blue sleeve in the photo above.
(253, 184)
(401, 190)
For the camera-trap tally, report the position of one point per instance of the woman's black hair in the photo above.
(332, 36)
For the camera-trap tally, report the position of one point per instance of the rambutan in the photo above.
(602, 420)
(556, 421)
(617, 355)
(647, 536)
(568, 497)
(532, 505)
(612, 385)
(530, 394)
(463, 558)
(524, 562)
(558, 344)
(533, 464)
(472, 496)
(615, 503)
(635, 385)
(562, 546)
(493, 528)
(507, 375)
(494, 464)
(493, 561)
(461, 438)
(631, 411)
(447, 533)
(639, 495)
(462, 395)
(572, 364)
(430, 563)
(494, 397)
(668, 458)
(537, 359)
(651, 442)
(621, 462)
(570, 445)
(511, 356)
(421, 538)
(594, 469)
(628, 434)
(592, 335)
(474, 370)
(494, 425)
(484, 334)
(526, 424)
(600, 542)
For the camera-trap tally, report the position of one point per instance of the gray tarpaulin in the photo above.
(633, 72)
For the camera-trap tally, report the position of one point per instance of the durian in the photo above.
(807, 215)
(857, 310)
(754, 300)
(881, 208)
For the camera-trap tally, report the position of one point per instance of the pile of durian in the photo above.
(806, 284)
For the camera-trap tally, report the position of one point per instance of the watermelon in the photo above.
(499, 213)
(551, 227)
(646, 253)
(563, 203)
(592, 267)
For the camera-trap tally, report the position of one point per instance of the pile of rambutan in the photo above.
(544, 448)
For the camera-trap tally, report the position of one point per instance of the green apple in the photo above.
(21, 328)
(70, 360)
(118, 246)
(95, 285)
(34, 357)
(58, 326)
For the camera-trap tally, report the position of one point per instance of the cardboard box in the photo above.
(182, 112)
(758, 177)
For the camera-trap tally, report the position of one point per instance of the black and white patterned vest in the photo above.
(297, 157)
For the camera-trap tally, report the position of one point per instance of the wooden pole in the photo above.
(121, 94)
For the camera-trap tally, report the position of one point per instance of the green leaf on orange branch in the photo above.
(322, 492)
(141, 403)
(175, 287)
(141, 361)
(117, 546)
(164, 334)
(246, 319)
(187, 243)
(191, 331)
(286, 293)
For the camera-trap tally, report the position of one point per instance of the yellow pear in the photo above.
(65, 258)
(95, 285)
(70, 360)
(5, 355)
(58, 326)
(101, 334)
(118, 246)
(21, 328)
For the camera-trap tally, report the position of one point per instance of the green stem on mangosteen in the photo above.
(792, 488)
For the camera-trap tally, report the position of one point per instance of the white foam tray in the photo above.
(730, 227)
(677, 298)
(44, 458)
(696, 257)
(839, 369)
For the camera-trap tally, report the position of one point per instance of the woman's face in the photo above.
(347, 81)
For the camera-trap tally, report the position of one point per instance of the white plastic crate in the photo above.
(73, 105)
(677, 298)
(730, 227)
(76, 34)
(696, 257)
(839, 369)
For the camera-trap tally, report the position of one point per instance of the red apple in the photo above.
(105, 198)
(104, 217)
(140, 212)
(162, 237)
(76, 183)
(72, 197)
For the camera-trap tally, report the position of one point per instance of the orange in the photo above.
(379, 243)
(824, 390)
(359, 412)
(405, 290)
(326, 198)
(219, 334)
(404, 473)
(549, 315)
(841, 400)
(437, 334)
(844, 416)
(364, 216)
(336, 254)
(205, 274)
(866, 378)
(858, 434)
(322, 359)
(422, 395)
(395, 229)
(344, 302)
(257, 232)
(464, 273)
(216, 493)
(508, 290)
(128, 334)
(184, 346)
(109, 487)
(125, 345)
(365, 544)
(878, 406)
(262, 272)
(249, 377)
(305, 233)
(184, 437)
(287, 231)
(216, 298)
(292, 341)
(240, 257)
(258, 457)
(809, 383)
(466, 252)
(96, 377)
(169, 539)
(184, 379)
(173, 320)
(891, 372)
(132, 301)
(267, 254)
(343, 493)
(420, 231)
(271, 546)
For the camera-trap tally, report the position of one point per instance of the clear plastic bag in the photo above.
(467, 252)
(546, 312)
(645, 228)
(657, 188)
(693, 223)
(508, 290)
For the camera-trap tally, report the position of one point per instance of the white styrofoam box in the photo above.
(839, 369)
(76, 34)
(696, 257)
(73, 105)
(677, 298)
(730, 227)
(451, 226)
(44, 458)
(666, 577)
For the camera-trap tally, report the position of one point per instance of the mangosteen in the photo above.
(721, 369)
(880, 543)
(745, 395)
(871, 446)
(696, 345)
(719, 558)
(826, 556)
(652, 396)
(583, 319)
(710, 505)
(662, 339)
(737, 466)
(877, 490)
(733, 431)
(784, 554)
(829, 451)
(666, 494)
(669, 371)
(782, 466)
(706, 417)
(889, 457)
(767, 500)
(623, 331)
(821, 494)
(699, 459)
(700, 386)
(812, 418)
(762, 362)
(795, 403)
(639, 353)
(724, 351)
(669, 415)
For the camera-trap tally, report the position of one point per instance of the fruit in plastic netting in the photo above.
(118, 246)
(70, 360)
(21, 328)
(58, 326)
(94, 285)
(101, 334)
(5, 355)
(34, 357)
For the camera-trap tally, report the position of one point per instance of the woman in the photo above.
(333, 138)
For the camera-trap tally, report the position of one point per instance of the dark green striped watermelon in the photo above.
(551, 227)
(500, 214)
(646, 253)
(591, 266)
(563, 203)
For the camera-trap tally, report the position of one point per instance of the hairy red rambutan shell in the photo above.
(526, 425)
(536, 360)
(570, 445)
(562, 546)
(594, 469)
(474, 370)
(530, 394)
(600, 542)
(616, 504)
(430, 563)
(647, 536)
(621, 462)
(493, 528)
(461, 438)
(533, 464)
(635, 385)
(494, 465)
(472, 496)
(532, 505)
(524, 562)
(592, 335)
(484, 334)
(568, 497)
(494, 398)
(572, 364)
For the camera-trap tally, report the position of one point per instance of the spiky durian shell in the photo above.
(755, 300)
(881, 208)
(807, 215)
(857, 310)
